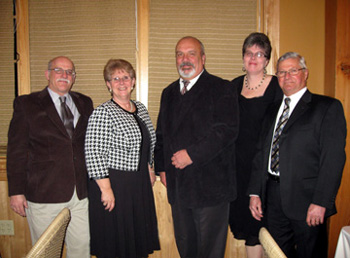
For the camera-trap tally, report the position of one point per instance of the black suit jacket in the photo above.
(204, 121)
(312, 155)
(43, 162)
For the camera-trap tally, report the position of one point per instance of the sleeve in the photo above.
(332, 156)
(18, 149)
(97, 143)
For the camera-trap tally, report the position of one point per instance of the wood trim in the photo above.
(270, 25)
(3, 176)
(337, 37)
(23, 64)
(142, 50)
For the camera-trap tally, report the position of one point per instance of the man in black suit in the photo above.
(298, 168)
(45, 157)
(196, 130)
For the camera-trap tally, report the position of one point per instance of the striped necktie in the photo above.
(275, 150)
(184, 89)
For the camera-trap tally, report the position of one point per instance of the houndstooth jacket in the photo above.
(113, 139)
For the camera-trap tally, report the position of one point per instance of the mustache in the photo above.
(63, 80)
(187, 64)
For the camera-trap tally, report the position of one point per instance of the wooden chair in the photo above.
(271, 248)
(50, 242)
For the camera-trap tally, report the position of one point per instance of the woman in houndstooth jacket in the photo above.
(119, 149)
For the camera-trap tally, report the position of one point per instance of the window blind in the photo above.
(7, 72)
(88, 32)
(221, 25)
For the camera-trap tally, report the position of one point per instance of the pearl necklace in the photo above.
(253, 88)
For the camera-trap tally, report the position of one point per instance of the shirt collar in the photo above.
(192, 82)
(294, 98)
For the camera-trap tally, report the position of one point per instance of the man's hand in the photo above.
(162, 178)
(315, 215)
(255, 207)
(18, 203)
(181, 159)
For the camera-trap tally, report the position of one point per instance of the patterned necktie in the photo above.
(275, 150)
(184, 89)
(67, 116)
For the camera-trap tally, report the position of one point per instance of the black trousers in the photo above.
(295, 237)
(201, 232)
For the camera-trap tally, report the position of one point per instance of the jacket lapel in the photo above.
(299, 110)
(187, 102)
(46, 103)
(77, 101)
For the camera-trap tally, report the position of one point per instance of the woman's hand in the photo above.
(162, 178)
(107, 195)
(152, 175)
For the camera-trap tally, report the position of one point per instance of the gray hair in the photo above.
(200, 43)
(295, 55)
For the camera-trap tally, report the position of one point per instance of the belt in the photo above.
(274, 177)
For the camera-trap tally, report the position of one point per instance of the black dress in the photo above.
(252, 112)
(130, 229)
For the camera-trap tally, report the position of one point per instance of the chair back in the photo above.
(271, 248)
(50, 243)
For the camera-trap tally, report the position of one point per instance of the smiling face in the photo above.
(189, 58)
(291, 84)
(121, 85)
(60, 83)
(252, 62)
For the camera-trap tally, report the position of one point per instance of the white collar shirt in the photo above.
(192, 82)
(294, 99)
(69, 102)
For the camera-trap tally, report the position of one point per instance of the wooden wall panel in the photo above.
(19, 244)
(338, 15)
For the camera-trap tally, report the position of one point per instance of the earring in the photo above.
(265, 71)
(243, 69)
(110, 90)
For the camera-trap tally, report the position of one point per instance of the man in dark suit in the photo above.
(45, 156)
(196, 130)
(298, 168)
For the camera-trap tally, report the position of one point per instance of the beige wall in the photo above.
(302, 29)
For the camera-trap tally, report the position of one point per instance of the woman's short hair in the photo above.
(115, 65)
(260, 40)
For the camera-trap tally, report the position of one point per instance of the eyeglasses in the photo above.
(256, 55)
(61, 71)
(292, 72)
(119, 79)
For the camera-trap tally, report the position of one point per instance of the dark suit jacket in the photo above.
(312, 155)
(43, 163)
(204, 121)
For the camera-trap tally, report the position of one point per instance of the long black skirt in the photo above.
(130, 229)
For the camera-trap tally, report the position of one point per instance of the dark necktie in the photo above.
(275, 150)
(67, 116)
(184, 89)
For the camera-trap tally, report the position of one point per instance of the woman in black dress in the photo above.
(119, 148)
(256, 91)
